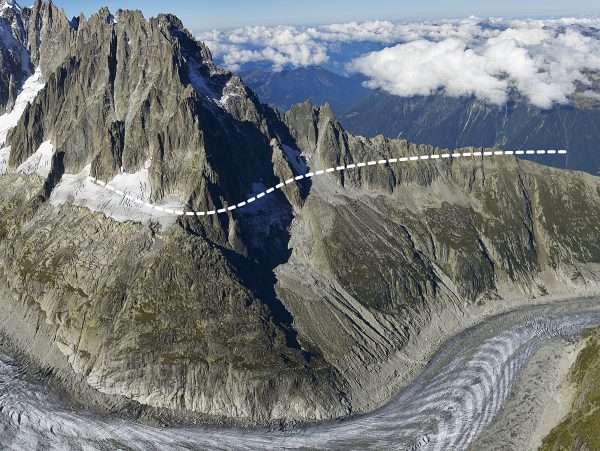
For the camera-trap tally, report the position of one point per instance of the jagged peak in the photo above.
(9, 9)
(171, 20)
(178, 30)
(50, 11)
(125, 15)
(307, 108)
(9, 4)
(326, 110)
(104, 15)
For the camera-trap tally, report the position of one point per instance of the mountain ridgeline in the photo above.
(297, 307)
(442, 120)
(291, 86)
(452, 122)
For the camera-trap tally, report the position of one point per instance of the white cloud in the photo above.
(280, 45)
(424, 67)
(543, 60)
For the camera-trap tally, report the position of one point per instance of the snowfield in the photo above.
(40, 162)
(77, 189)
(10, 4)
(31, 87)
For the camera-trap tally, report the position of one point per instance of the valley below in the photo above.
(456, 398)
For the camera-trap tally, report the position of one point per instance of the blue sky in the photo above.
(208, 14)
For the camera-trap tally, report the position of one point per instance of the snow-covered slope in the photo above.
(77, 189)
(8, 120)
(40, 162)
(9, 4)
(32, 86)
(15, 60)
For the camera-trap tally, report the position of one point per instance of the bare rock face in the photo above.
(40, 36)
(15, 64)
(294, 308)
(377, 252)
(129, 92)
(169, 321)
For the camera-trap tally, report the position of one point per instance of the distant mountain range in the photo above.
(315, 84)
(457, 122)
(441, 120)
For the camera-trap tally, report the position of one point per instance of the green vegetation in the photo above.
(580, 430)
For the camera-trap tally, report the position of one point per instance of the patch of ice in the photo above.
(77, 189)
(31, 87)
(225, 97)
(199, 83)
(11, 32)
(295, 158)
(9, 4)
(136, 184)
(40, 162)
(223, 100)
(202, 86)
(212, 90)
(4, 155)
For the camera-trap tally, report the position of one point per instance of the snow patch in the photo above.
(77, 189)
(9, 4)
(295, 158)
(136, 184)
(4, 155)
(10, 28)
(223, 100)
(31, 87)
(202, 86)
(199, 83)
(226, 96)
(40, 162)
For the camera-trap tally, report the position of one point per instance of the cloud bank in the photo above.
(545, 61)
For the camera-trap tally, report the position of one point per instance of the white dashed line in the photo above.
(324, 171)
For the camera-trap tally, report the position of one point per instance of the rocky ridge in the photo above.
(447, 121)
(15, 63)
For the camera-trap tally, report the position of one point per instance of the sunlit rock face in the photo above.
(296, 307)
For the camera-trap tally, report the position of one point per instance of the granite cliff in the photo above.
(297, 307)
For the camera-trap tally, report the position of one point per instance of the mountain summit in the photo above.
(303, 305)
